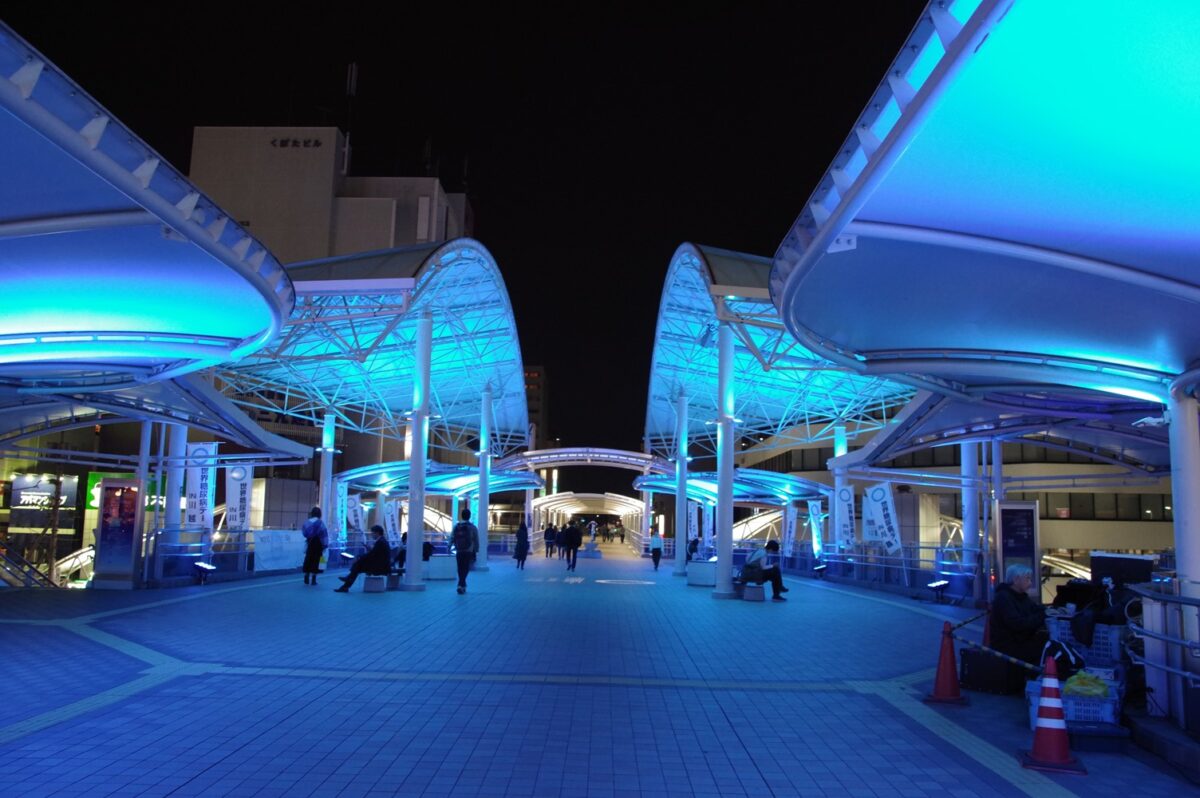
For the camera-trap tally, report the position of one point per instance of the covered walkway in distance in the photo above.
(609, 681)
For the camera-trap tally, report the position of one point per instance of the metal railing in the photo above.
(20, 572)
(1170, 629)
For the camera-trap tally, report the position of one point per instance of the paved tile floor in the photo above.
(611, 682)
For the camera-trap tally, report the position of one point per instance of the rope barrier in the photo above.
(969, 621)
(996, 653)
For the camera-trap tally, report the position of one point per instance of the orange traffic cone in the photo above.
(1051, 745)
(945, 684)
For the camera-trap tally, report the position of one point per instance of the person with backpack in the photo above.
(572, 539)
(548, 537)
(465, 539)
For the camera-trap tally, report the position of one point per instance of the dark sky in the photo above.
(597, 140)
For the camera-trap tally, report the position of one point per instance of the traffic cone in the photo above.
(945, 684)
(1051, 745)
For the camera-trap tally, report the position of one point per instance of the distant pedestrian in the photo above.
(560, 541)
(656, 546)
(465, 538)
(548, 538)
(522, 545)
(693, 547)
(316, 535)
(573, 537)
(375, 562)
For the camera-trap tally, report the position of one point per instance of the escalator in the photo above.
(16, 571)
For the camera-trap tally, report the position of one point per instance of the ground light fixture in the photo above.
(938, 587)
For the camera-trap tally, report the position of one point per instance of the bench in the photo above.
(753, 592)
(374, 583)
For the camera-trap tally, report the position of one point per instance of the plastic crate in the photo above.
(1077, 708)
(1105, 650)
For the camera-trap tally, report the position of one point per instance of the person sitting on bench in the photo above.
(1018, 623)
(376, 562)
(756, 570)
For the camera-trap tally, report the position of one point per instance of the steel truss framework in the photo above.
(785, 395)
(349, 348)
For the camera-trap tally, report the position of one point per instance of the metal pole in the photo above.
(485, 474)
(176, 453)
(681, 472)
(969, 470)
(328, 441)
(416, 469)
(725, 447)
(1184, 432)
(143, 473)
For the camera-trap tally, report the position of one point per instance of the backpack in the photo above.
(1067, 661)
(461, 537)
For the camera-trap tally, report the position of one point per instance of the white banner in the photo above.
(338, 528)
(354, 515)
(816, 526)
(201, 476)
(237, 496)
(879, 508)
(844, 533)
(278, 549)
(391, 521)
(693, 521)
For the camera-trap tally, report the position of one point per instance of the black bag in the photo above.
(753, 572)
(462, 536)
(1067, 660)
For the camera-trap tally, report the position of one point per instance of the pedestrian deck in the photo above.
(612, 681)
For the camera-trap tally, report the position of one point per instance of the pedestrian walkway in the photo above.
(611, 681)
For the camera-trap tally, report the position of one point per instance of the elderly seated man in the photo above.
(377, 561)
(757, 570)
(1018, 623)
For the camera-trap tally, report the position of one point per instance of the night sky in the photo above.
(594, 141)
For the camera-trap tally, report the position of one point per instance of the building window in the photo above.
(1152, 507)
(1129, 507)
(1105, 506)
(1081, 506)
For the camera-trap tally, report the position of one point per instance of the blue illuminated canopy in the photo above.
(349, 346)
(750, 486)
(440, 479)
(1015, 208)
(785, 395)
(116, 270)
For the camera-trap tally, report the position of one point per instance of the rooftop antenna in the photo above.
(351, 92)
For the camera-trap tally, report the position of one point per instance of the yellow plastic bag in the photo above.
(1085, 684)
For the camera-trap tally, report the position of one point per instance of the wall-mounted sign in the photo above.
(33, 501)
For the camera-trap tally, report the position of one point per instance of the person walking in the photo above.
(548, 538)
(316, 536)
(573, 538)
(465, 538)
(656, 547)
(522, 545)
(377, 561)
(560, 541)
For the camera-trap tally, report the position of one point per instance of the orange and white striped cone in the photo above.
(945, 683)
(1051, 744)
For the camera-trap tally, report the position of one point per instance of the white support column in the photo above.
(647, 514)
(998, 470)
(840, 483)
(969, 471)
(1184, 432)
(172, 508)
(725, 448)
(681, 472)
(413, 565)
(143, 480)
(485, 475)
(326, 497)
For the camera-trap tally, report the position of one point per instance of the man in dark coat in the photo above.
(573, 539)
(1018, 623)
(376, 561)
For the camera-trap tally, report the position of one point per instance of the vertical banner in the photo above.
(816, 525)
(880, 507)
(201, 479)
(341, 510)
(693, 521)
(355, 525)
(237, 497)
(844, 533)
(391, 521)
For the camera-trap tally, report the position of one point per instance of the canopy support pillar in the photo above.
(681, 470)
(413, 565)
(485, 473)
(725, 447)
